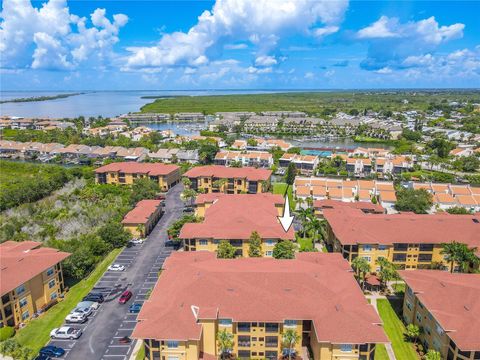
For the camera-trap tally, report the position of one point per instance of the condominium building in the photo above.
(447, 308)
(216, 178)
(142, 219)
(305, 164)
(127, 172)
(234, 218)
(31, 280)
(409, 240)
(257, 300)
(261, 159)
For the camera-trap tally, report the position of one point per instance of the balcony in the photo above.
(244, 341)
(243, 327)
(271, 328)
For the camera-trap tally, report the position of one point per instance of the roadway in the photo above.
(112, 321)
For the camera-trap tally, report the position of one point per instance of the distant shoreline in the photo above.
(39, 98)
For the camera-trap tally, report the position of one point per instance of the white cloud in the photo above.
(236, 46)
(328, 30)
(53, 37)
(265, 61)
(395, 45)
(260, 22)
(309, 75)
(385, 70)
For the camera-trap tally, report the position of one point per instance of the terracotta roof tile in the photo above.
(218, 171)
(142, 212)
(153, 169)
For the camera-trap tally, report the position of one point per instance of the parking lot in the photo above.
(112, 321)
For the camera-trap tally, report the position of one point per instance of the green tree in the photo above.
(174, 230)
(113, 234)
(252, 142)
(225, 343)
(189, 195)
(6, 332)
(255, 245)
(218, 184)
(361, 267)
(225, 250)
(458, 253)
(284, 249)
(143, 188)
(419, 201)
(207, 153)
(442, 147)
(387, 271)
(290, 339)
(186, 182)
(290, 174)
(458, 210)
(433, 355)
(413, 332)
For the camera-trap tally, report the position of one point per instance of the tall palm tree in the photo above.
(361, 267)
(225, 342)
(290, 338)
(458, 253)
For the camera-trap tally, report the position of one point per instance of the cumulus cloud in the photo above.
(50, 37)
(261, 23)
(265, 61)
(393, 42)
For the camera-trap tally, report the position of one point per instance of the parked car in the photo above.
(116, 267)
(161, 197)
(51, 350)
(138, 241)
(75, 317)
(42, 357)
(188, 209)
(135, 308)
(126, 295)
(96, 297)
(92, 304)
(65, 332)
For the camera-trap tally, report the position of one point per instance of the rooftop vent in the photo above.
(466, 307)
(230, 289)
(475, 221)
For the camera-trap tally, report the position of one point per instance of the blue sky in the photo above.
(243, 44)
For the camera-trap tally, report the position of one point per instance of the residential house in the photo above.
(126, 172)
(257, 300)
(246, 214)
(189, 117)
(31, 280)
(261, 159)
(216, 178)
(447, 308)
(305, 164)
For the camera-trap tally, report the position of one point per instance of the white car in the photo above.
(137, 241)
(76, 317)
(65, 332)
(85, 308)
(116, 267)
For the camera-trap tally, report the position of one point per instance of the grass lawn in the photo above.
(37, 333)
(140, 353)
(279, 188)
(381, 352)
(395, 330)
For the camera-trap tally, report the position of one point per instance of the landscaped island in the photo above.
(39, 98)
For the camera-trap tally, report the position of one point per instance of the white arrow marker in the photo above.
(286, 220)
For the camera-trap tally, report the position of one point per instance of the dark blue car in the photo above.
(51, 350)
(135, 308)
(42, 357)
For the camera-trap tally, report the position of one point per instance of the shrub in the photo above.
(6, 333)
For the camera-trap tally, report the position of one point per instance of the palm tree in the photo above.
(218, 184)
(187, 182)
(189, 194)
(387, 271)
(290, 338)
(141, 230)
(362, 267)
(225, 342)
(459, 253)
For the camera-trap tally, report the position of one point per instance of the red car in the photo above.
(126, 295)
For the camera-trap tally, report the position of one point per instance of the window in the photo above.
(244, 354)
(269, 253)
(25, 315)
(439, 329)
(225, 322)
(50, 271)
(428, 330)
(172, 344)
(270, 242)
(425, 257)
(203, 242)
(368, 258)
(367, 247)
(51, 283)
(426, 247)
(271, 341)
(437, 346)
(400, 247)
(19, 290)
(419, 317)
(271, 355)
(244, 341)
(243, 326)
(346, 348)
(290, 323)
(23, 302)
(409, 305)
(53, 296)
(399, 257)
(382, 247)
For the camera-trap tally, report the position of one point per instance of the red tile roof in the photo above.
(237, 216)
(453, 300)
(153, 169)
(352, 226)
(142, 212)
(22, 261)
(224, 172)
(362, 205)
(314, 286)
